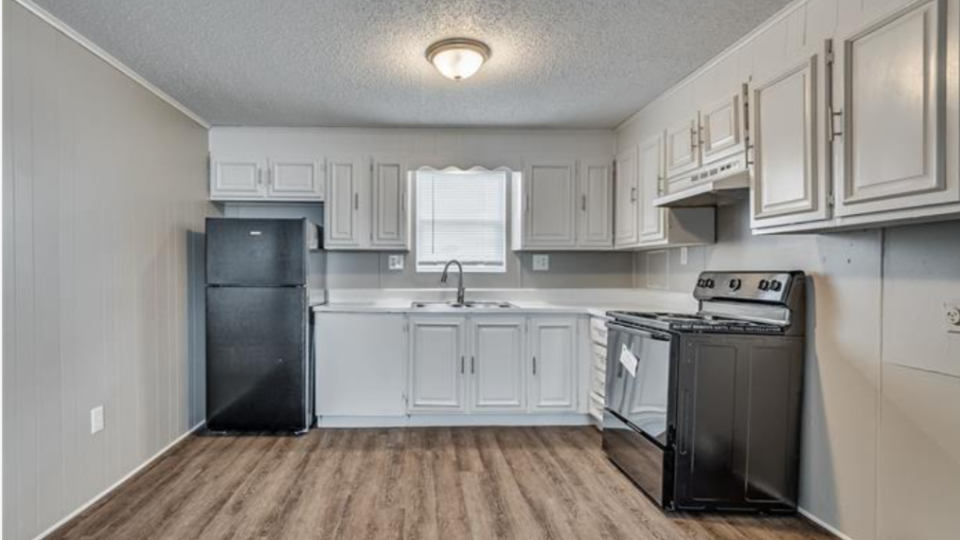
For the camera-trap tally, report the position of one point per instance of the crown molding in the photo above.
(66, 30)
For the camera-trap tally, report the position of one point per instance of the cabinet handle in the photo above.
(661, 188)
(834, 115)
(472, 368)
(356, 201)
(583, 203)
(259, 177)
(269, 176)
(633, 194)
(528, 203)
(534, 365)
(461, 364)
(693, 139)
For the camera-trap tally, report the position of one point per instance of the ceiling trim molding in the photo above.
(750, 36)
(66, 30)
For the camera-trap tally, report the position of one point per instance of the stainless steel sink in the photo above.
(465, 305)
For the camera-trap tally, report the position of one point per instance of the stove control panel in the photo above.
(767, 287)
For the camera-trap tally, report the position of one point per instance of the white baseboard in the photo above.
(118, 483)
(454, 420)
(829, 528)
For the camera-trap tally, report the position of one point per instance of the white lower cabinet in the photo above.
(553, 366)
(493, 364)
(355, 375)
(497, 366)
(477, 365)
(437, 364)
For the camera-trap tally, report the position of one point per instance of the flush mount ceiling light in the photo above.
(458, 58)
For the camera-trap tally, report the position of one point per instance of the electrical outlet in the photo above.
(951, 316)
(395, 262)
(541, 263)
(96, 420)
(683, 256)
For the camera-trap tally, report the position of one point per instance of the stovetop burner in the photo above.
(694, 322)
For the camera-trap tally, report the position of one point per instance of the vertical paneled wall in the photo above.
(103, 205)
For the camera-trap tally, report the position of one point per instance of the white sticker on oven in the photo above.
(628, 360)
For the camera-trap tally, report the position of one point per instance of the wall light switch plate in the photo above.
(683, 256)
(96, 420)
(541, 263)
(395, 262)
(951, 316)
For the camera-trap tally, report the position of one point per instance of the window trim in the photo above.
(509, 179)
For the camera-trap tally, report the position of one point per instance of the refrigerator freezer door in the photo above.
(255, 252)
(257, 359)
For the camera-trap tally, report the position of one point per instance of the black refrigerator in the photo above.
(260, 275)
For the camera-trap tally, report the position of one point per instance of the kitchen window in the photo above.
(461, 215)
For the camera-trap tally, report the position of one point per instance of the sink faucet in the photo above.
(461, 292)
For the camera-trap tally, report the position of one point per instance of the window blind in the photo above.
(461, 215)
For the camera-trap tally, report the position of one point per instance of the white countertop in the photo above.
(594, 302)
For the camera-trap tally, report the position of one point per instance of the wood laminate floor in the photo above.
(428, 483)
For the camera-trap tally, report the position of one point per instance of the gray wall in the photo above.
(103, 195)
(353, 270)
(881, 439)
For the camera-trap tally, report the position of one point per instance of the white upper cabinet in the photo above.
(342, 212)
(595, 213)
(889, 98)
(237, 179)
(549, 205)
(367, 207)
(295, 179)
(438, 364)
(722, 128)
(266, 178)
(682, 147)
(497, 364)
(627, 201)
(639, 224)
(390, 202)
(790, 173)
(553, 367)
(653, 224)
(564, 205)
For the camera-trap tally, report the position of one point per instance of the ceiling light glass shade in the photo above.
(458, 58)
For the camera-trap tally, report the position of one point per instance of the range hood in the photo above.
(717, 184)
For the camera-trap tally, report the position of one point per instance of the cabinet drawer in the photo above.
(599, 382)
(595, 407)
(598, 330)
(599, 356)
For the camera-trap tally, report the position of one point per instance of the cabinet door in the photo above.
(389, 186)
(722, 128)
(437, 364)
(550, 205)
(790, 171)
(595, 216)
(889, 89)
(683, 153)
(553, 366)
(238, 179)
(626, 200)
(342, 212)
(292, 179)
(497, 365)
(653, 226)
(355, 375)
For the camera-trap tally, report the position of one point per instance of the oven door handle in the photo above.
(638, 332)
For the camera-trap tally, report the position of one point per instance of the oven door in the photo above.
(638, 390)
(637, 420)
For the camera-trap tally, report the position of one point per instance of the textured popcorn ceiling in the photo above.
(556, 63)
